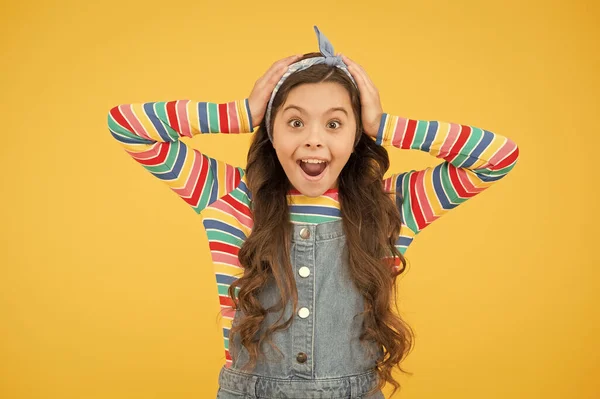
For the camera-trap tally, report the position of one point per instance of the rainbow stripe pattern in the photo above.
(473, 159)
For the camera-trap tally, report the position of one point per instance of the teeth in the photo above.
(313, 161)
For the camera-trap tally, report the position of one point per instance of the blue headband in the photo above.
(328, 58)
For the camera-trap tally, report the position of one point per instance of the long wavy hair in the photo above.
(371, 223)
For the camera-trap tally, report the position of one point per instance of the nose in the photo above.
(314, 138)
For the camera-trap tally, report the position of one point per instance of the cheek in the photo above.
(286, 144)
(341, 149)
(341, 160)
(284, 150)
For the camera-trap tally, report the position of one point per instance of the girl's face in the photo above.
(313, 136)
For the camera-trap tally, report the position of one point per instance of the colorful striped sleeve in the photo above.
(150, 134)
(474, 159)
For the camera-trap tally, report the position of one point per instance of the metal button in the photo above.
(303, 313)
(301, 357)
(305, 233)
(304, 271)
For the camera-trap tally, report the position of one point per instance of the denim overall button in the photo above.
(304, 271)
(305, 233)
(303, 312)
(301, 357)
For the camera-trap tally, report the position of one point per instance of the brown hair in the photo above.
(371, 223)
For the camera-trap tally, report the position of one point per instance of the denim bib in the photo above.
(322, 354)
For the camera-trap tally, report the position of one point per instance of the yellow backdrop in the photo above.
(106, 287)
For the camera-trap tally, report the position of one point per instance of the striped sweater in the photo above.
(473, 159)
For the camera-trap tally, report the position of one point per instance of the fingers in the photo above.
(359, 72)
(358, 75)
(286, 60)
(279, 68)
(359, 68)
(285, 63)
(263, 87)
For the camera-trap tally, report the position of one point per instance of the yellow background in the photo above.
(106, 287)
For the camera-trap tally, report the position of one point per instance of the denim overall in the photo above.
(322, 355)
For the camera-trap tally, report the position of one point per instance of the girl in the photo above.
(308, 240)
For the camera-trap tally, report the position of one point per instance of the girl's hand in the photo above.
(369, 98)
(263, 88)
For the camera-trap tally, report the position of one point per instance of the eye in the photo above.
(338, 122)
(295, 120)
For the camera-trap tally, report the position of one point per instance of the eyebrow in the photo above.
(304, 111)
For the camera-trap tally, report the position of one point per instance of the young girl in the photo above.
(308, 240)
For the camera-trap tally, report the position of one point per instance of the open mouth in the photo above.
(313, 169)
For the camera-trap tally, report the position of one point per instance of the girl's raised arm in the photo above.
(150, 133)
(474, 159)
